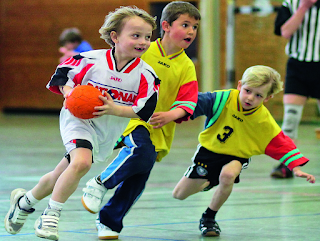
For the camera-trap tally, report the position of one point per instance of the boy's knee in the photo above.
(227, 178)
(81, 165)
(178, 195)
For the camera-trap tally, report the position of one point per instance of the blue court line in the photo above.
(90, 231)
(225, 220)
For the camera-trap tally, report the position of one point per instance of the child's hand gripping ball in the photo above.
(81, 101)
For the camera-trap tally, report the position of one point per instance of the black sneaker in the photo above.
(209, 227)
(281, 171)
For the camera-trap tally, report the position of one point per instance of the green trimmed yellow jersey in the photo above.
(178, 89)
(233, 131)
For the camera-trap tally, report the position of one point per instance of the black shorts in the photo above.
(79, 143)
(303, 78)
(208, 165)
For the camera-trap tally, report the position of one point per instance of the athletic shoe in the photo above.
(93, 195)
(209, 227)
(281, 171)
(46, 225)
(16, 217)
(104, 232)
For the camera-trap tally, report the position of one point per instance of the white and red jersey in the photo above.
(136, 85)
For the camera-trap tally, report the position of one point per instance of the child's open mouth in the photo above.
(139, 49)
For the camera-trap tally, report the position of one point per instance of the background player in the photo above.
(72, 43)
(298, 21)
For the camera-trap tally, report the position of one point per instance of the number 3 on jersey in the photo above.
(223, 137)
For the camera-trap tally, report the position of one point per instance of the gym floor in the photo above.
(260, 208)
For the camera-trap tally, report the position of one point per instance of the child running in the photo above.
(117, 72)
(237, 127)
(145, 143)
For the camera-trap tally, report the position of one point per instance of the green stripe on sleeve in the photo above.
(191, 105)
(218, 106)
(293, 159)
(289, 154)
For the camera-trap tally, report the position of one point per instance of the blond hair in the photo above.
(114, 21)
(259, 75)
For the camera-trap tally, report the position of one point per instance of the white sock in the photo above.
(54, 208)
(28, 201)
(55, 205)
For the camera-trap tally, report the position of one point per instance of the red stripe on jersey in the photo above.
(132, 66)
(71, 61)
(238, 105)
(109, 59)
(143, 90)
(175, 56)
(251, 112)
(78, 77)
(160, 49)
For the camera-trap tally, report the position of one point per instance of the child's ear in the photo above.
(114, 36)
(239, 85)
(165, 26)
(268, 98)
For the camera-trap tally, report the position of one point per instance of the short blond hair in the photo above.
(114, 21)
(259, 75)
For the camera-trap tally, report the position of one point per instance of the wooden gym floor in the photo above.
(260, 208)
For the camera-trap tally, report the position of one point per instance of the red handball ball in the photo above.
(81, 101)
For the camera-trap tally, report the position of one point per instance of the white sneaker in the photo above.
(16, 217)
(93, 195)
(104, 232)
(46, 226)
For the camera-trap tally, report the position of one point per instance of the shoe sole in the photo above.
(211, 234)
(51, 237)
(86, 207)
(108, 237)
(279, 174)
(6, 219)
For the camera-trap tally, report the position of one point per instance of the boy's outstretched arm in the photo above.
(160, 119)
(282, 148)
(181, 110)
(297, 172)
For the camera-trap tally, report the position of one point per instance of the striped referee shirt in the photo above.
(304, 44)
